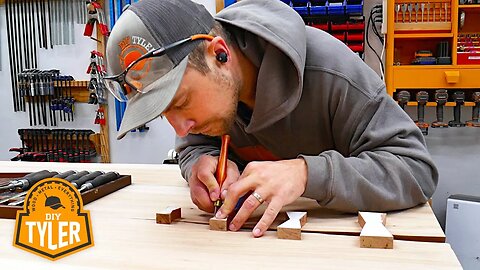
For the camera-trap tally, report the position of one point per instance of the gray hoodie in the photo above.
(316, 99)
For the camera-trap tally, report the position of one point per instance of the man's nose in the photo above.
(181, 125)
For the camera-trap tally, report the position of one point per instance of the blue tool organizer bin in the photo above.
(354, 7)
(326, 7)
(336, 7)
(301, 7)
(229, 2)
(318, 7)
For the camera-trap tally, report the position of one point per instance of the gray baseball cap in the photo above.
(148, 25)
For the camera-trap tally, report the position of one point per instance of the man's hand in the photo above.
(204, 189)
(278, 183)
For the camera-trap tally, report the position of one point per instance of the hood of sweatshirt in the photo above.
(273, 37)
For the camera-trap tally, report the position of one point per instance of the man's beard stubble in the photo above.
(233, 86)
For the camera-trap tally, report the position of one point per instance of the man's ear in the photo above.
(218, 49)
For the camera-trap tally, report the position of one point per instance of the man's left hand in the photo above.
(277, 183)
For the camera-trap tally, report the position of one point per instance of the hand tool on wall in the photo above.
(422, 99)
(37, 87)
(98, 181)
(417, 8)
(403, 97)
(13, 48)
(76, 155)
(50, 22)
(28, 180)
(475, 122)
(69, 100)
(434, 6)
(86, 154)
(446, 11)
(428, 11)
(397, 10)
(96, 85)
(10, 41)
(48, 85)
(439, 11)
(33, 34)
(423, 9)
(43, 21)
(441, 97)
(410, 9)
(100, 117)
(95, 15)
(221, 172)
(459, 99)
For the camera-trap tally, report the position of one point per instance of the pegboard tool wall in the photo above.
(160, 137)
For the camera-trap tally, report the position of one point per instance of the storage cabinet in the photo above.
(433, 45)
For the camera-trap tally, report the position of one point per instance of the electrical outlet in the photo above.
(384, 16)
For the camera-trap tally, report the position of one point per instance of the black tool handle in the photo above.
(421, 112)
(29, 181)
(439, 113)
(33, 174)
(77, 183)
(476, 112)
(457, 110)
(103, 179)
(64, 174)
(76, 176)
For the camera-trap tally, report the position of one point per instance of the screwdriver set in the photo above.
(416, 12)
(56, 145)
(92, 186)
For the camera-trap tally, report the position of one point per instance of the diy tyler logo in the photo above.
(53, 223)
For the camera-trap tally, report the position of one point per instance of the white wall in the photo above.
(147, 147)
(71, 60)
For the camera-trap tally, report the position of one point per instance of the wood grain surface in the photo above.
(127, 237)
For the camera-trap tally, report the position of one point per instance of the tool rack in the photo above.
(410, 30)
(81, 94)
(46, 141)
(343, 19)
(10, 212)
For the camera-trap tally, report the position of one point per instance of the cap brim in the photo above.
(143, 108)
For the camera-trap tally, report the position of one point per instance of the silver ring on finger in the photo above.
(258, 197)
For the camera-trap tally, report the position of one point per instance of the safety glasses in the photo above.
(141, 74)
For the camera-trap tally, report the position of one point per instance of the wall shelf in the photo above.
(404, 40)
(425, 35)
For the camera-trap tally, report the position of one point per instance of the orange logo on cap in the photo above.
(131, 50)
(53, 223)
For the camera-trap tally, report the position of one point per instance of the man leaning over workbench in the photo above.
(307, 117)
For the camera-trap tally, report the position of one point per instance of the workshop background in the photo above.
(455, 150)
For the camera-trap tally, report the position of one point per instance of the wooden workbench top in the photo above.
(127, 237)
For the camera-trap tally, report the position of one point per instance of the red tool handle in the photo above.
(89, 29)
(221, 172)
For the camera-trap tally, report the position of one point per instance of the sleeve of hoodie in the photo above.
(385, 165)
(191, 147)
